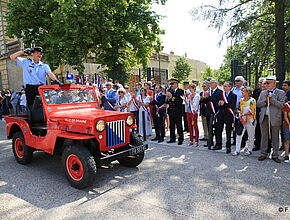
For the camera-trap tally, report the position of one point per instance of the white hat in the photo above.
(271, 78)
(239, 78)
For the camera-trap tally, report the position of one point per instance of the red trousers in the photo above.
(192, 126)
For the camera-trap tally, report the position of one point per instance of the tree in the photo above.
(243, 16)
(208, 73)
(118, 33)
(182, 69)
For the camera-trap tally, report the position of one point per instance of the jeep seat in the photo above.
(35, 112)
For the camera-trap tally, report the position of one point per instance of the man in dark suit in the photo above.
(256, 95)
(227, 104)
(211, 99)
(175, 101)
(186, 91)
(159, 113)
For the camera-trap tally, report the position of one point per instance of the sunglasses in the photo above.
(238, 80)
(266, 83)
(121, 92)
(203, 86)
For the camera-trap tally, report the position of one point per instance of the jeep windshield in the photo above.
(53, 97)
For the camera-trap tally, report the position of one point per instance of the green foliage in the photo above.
(118, 33)
(208, 72)
(221, 75)
(251, 26)
(182, 69)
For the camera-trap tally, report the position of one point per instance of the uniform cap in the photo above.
(174, 80)
(186, 83)
(38, 49)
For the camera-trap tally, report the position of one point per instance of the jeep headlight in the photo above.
(130, 120)
(100, 126)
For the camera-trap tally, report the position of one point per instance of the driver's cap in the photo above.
(37, 49)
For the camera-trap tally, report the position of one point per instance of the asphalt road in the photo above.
(171, 183)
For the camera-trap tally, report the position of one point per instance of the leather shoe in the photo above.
(160, 140)
(228, 150)
(155, 139)
(217, 148)
(261, 158)
(276, 160)
(171, 141)
(180, 142)
(203, 139)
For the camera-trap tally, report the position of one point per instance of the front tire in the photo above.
(79, 165)
(133, 161)
(22, 153)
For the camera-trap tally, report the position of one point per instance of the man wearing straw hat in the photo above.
(271, 103)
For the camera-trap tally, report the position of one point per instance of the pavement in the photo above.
(173, 182)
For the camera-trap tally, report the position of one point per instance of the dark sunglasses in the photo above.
(266, 83)
(238, 80)
(203, 86)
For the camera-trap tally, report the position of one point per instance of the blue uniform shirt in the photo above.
(238, 92)
(33, 73)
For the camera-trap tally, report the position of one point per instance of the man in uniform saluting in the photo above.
(34, 71)
(175, 111)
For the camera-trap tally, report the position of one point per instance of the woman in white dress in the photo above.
(144, 102)
(122, 101)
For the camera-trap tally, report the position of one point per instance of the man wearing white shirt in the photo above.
(23, 102)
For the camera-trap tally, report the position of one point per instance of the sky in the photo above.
(184, 35)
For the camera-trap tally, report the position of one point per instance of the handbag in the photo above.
(239, 127)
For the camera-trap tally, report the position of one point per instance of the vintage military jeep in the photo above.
(68, 120)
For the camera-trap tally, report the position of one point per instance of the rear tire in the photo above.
(79, 166)
(133, 161)
(22, 153)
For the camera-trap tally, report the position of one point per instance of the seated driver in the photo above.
(65, 97)
(81, 97)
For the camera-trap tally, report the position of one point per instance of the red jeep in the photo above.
(69, 120)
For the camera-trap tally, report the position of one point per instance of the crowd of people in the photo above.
(256, 116)
(12, 102)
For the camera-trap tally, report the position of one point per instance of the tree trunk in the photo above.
(280, 41)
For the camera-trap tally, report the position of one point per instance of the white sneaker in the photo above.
(236, 153)
(248, 153)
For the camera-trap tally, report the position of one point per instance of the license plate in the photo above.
(137, 150)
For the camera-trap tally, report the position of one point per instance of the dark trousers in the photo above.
(210, 126)
(219, 131)
(159, 125)
(257, 141)
(31, 91)
(184, 119)
(176, 121)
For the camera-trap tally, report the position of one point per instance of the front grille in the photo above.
(115, 132)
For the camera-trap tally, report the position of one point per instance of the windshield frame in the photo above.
(79, 89)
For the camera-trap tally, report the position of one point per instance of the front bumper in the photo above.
(125, 153)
